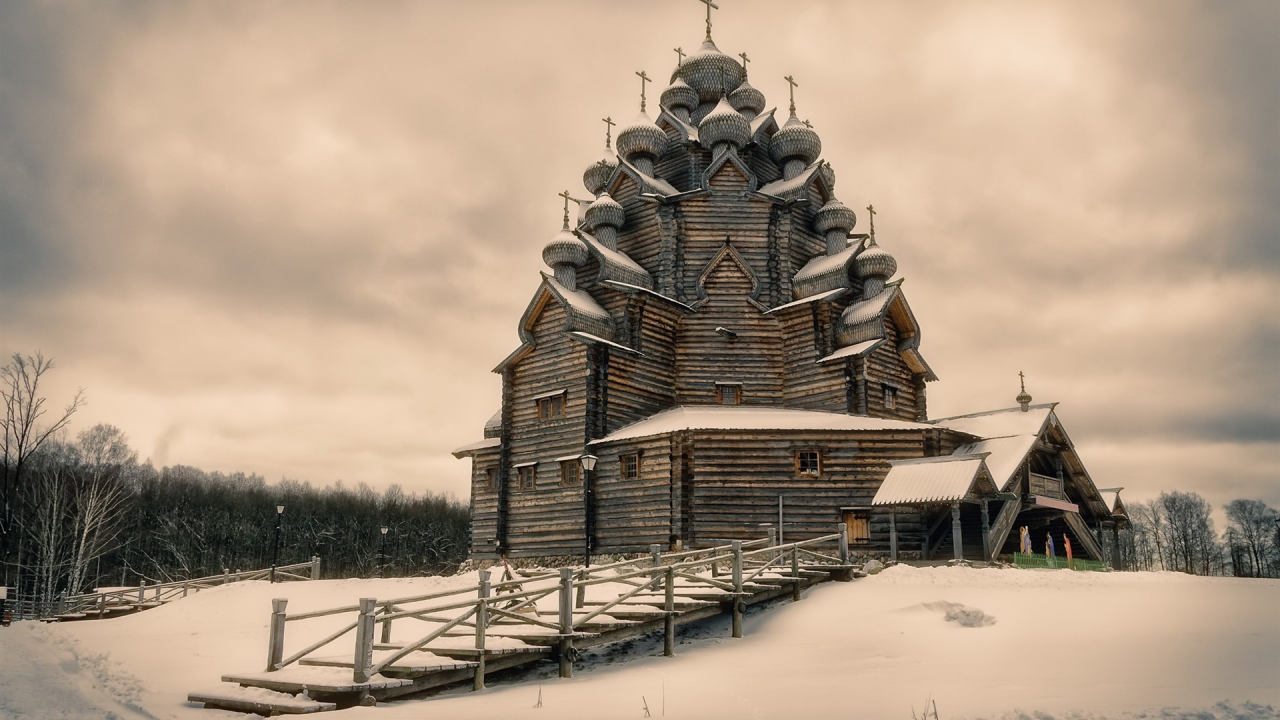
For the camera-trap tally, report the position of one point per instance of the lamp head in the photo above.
(280, 509)
(588, 462)
(384, 529)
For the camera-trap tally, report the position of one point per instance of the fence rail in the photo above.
(1051, 562)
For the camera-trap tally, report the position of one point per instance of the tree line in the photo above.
(1176, 532)
(81, 512)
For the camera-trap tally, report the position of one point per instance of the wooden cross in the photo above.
(745, 60)
(709, 5)
(565, 195)
(1023, 380)
(608, 130)
(679, 57)
(808, 124)
(643, 79)
(792, 82)
(871, 212)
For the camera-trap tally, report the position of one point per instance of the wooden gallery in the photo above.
(716, 350)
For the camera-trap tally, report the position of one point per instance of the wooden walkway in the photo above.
(493, 626)
(125, 601)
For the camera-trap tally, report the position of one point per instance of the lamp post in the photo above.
(275, 550)
(382, 551)
(588, 469)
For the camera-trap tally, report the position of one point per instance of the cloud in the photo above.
(293, 240)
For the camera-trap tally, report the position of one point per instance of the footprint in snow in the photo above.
(960, 614)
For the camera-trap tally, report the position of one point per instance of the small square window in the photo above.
(727, 394)
(808, 463)
(630, 466)
(890, 397)
(570, 473)
(551, 408)
(527, 476)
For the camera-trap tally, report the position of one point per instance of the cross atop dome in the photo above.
(709, 5)
(791, 82)
(608, 130)
(644, 80)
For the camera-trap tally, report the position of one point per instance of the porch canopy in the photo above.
(946, 480)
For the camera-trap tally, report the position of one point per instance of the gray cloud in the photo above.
(303, 235)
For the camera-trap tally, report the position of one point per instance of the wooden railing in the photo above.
(1045, 486)
(121, 599)
(513, 603)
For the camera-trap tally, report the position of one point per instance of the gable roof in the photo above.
(935, 479)
(615, 264)
(865, 320)
(824, 273)
(1001, 423)
(582, 314)
(798, 186)
(747, 417)
(1004, 455)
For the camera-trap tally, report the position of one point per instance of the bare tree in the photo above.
(98, 497)
(1252, 524)
(1192, 546)
(24, 430)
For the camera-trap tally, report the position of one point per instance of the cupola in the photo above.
(565, 253)
(597, 174)
(796, 145)
(710, 72)
(680, 99)
(834, 221)
(747, 100)
(724, 127)
(604, 217)
(1024, 398)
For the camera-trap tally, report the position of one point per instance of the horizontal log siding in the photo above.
(727, 211)
(810, 386)
(806, 244)
(639, 236)
(677, 165)
(547, 520)
(886, 365)
(704, 357)
(633, 514)
(484, 503)
(640, 386)
(737, 478)
(760, 163)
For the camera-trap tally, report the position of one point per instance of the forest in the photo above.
(81, 512)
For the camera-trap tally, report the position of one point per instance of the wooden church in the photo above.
(716, 351)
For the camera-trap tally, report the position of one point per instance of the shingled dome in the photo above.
(605, 211)
(642, 137)
(835, 215)
(679, 95)
(724, 125)
(747, 99)
(710, 72)
(875, 262)
(795, 140)
(565, 249)
(598, 173)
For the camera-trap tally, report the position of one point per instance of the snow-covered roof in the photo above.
(585, 313)
(830, 294)
(740, 417)
(617, 265)
(861, 348)
(1005, 455)
(796, 186)
(1001, 423)
(1111, 496)
(936, 479)
(467, 450)
(824, 273)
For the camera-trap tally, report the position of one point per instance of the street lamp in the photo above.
(382, 551)
(275, 551)
(588, 468)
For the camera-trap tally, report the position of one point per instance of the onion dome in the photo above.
(835, 215)
(875, 262)
(710, 72)
(1024, 398)
(747, 99)
(795, 140)
(679, 95)
(565, 249)
(724, 125)
(605, 211)
(598, 173)
(642, 137)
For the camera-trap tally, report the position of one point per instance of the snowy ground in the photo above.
(981, 643)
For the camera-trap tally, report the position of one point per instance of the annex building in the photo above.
(719, 348)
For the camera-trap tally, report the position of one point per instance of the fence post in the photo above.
(669, 626)
(482, 622)
(893, 535)
(364, 639)
(844, 543)
(566, 622)
(795, 571)
(738, 604)
(655, 554)
(185, 588)
(315, 567)
(102, 604)
(226, 575)
(275, 636)
(62, 602)
(142, 591)
(773, 542)
(386, 624)
(581, 598)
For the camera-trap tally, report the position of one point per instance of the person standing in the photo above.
(1066, 546)
(1048, 547)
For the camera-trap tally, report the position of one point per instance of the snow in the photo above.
(861, 348)
(1006, 455)
(718, 417)
(980, 642)
(1001, 423)
(937, 479)
(477, 445)
(806, 300)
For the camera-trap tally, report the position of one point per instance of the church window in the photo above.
(890, 397)
(729, 393)
(570, 473)
(630, 466)
(808, 463)
(858, 523)
(551, 407)
(527, 475)
(490, 479)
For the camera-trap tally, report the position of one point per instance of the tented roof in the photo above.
(936, 479)
(740, 417)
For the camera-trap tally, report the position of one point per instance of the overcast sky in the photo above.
(294, 238)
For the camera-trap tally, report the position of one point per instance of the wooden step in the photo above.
(314, 679)
(415, 663)
(259, 701)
